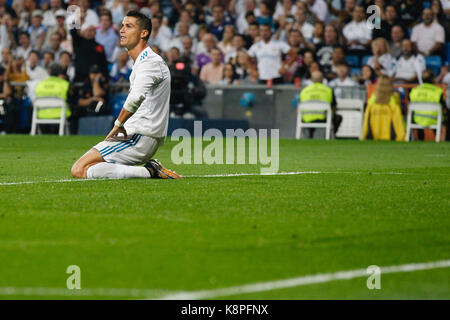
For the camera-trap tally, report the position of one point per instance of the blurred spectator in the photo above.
(238, 44)
(87, 53)
(183, 30)
(16, 72)
(303, 7)
(386, 25)
(345, 14)
(25, 9)
(229, 75)
(383, 116)
(186, 18)
(429, 36)
(409, 65)
(90, 16)
(8, 112)
(106, 35)
(324, 51)
(6, 57)
(293, 60)
(5, 8)
(47, 59)
(66, 43)
(172, 55)
(317, 91)
(264, 15)
(395, 45)
(226, 45)
(427, 92)
(54, 46)
(343, 79)
(212, 72)
(24, 48)
(188, 53)
(268, 54)
(160, 35)
(244, 69)
(53, 86)
(367, 76)
(121, 69)
(318, 9)
(37, 30)
(252, 34)
(301, 24)
(317, 38)
(409, 11)
(68, 68)
(357, 34)
(337, 56)
(49, 16)
(381, 61)
(59, 26)
(33, 69)
(209, 42)
(217, 26)
(91, 97)
(5, 39)
(283, 9)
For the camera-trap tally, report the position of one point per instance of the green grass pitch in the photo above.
(372, 203)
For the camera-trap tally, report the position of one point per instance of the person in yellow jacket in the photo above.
(427, 92)
(52, 86)
(319, 92)
(383, 116)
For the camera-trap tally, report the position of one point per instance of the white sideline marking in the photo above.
(209, 176)
(300, 281)
(91, 292)
(222, 292)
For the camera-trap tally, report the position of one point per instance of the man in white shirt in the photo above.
(34, 70)
(141, 126)
(428, 37)
(408, 64)
(342, 80)
(268, 54)
(356, 33)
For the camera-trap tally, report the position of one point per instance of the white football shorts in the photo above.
(135, 150)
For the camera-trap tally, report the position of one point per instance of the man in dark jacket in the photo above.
(88, 52)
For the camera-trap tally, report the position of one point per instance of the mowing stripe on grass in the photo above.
(216, 293)
(300, 281)
(211, 176)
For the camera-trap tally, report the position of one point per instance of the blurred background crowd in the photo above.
(230, 42)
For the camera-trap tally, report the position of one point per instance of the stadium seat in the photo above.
(352, 112)
(423, 106)
(355, 71)
(117, 102)
(434, 63)
(313, 106)
(426, 4)
(353, 61)
(49, 102)
(364, 60)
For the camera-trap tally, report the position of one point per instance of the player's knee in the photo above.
(78, 171)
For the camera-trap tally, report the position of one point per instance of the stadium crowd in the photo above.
(225, 41)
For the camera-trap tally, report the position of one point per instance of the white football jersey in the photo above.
(150, 82)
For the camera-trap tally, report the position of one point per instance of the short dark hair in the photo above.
(105, 12)
(142, 21)
(55, 69)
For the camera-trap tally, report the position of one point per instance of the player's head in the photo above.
(136, 28)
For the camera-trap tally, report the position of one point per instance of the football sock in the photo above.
(116, 171)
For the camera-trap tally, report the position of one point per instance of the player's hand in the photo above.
(113, 134)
